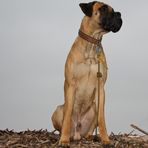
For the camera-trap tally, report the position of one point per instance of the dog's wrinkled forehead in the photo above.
(98, 5)
(89, 8)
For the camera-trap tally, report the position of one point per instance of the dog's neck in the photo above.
(91, 28)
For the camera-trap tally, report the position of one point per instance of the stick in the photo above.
(99, 75)
(139, 129)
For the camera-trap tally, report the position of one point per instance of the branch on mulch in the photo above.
(139, 129)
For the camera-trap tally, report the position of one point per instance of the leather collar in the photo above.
(89, 38)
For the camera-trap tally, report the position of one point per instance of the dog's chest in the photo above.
(85, 74)
(90, 57)
(87, 68)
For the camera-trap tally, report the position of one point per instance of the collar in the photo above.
(89, 38)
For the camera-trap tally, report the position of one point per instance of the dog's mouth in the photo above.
(111, 21)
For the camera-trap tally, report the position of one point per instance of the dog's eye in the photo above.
(103, 9)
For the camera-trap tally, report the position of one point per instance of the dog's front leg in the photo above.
(68, 107)
(101, 116)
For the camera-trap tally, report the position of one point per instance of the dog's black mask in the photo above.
(110, 21)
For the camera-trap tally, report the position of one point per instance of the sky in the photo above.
(35, 38)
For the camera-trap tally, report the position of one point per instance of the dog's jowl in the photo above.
(83, 111)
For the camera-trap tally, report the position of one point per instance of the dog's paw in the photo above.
(89, 137)
(64, 144)
(106, 141)
(77, 136)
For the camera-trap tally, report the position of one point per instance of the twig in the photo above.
(19, 145)
(54, 145)
(139, 129)
(130, 133)
(46, 141)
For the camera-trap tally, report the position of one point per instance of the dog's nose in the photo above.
(117, 14)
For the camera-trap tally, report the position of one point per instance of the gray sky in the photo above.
(35, 38)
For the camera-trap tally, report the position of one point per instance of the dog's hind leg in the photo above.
(89, 122)
(89, 135)
(57, 118)
(77, 135)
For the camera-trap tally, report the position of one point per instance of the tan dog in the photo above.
(81, 114)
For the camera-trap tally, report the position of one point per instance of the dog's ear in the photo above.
(87, 8)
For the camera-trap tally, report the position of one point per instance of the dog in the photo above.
(82, 111)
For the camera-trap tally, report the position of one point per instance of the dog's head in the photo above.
(103, 14)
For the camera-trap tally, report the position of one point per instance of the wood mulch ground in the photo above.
(45, 139)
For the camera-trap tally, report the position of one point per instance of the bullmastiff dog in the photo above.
(82, 111)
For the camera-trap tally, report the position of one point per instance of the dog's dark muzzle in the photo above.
(112, 22)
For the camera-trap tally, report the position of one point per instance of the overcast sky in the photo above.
(35, 38)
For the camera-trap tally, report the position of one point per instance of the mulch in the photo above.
(44, 139)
